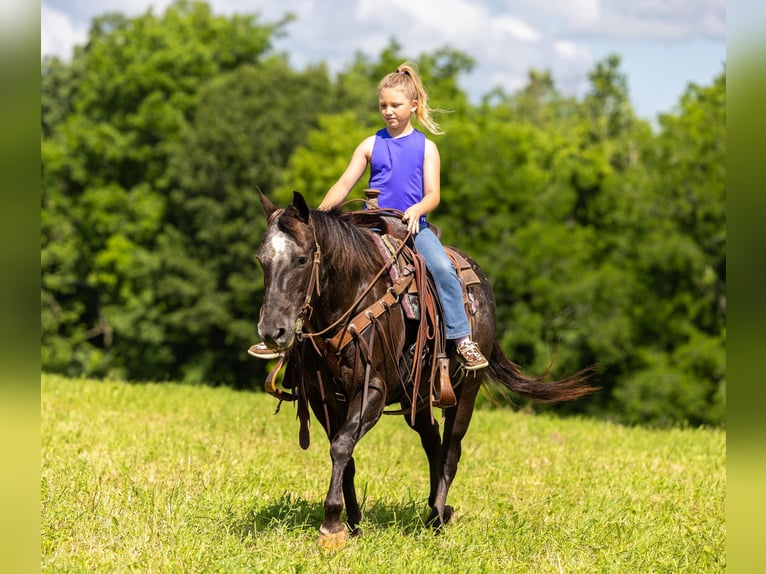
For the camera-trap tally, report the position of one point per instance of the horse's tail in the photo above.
(510, 375)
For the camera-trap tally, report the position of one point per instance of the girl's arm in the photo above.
(431, 189)
(356, 167)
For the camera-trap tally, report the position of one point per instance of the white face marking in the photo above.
(278, 243)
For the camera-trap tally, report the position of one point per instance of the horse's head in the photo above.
(287, 255)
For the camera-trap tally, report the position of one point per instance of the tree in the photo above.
(127, 96)
(680, 309)
(239, 141)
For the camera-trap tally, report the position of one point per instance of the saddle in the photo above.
(391, 232)
(414, 289)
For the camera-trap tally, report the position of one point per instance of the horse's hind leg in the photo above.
(431, 441)
(456, 421)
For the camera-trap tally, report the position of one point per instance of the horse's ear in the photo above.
(268, 207)
(301, 207)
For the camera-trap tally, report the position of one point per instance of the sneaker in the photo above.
(471, 355)
(261, 351)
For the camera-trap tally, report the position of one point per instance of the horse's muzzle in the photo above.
(276, 338)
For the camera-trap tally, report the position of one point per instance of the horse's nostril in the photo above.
(276, 337)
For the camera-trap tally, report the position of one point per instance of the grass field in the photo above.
(173, 478)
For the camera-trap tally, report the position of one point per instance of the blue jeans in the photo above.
(447, 283)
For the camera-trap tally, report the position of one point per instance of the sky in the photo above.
(664, 44)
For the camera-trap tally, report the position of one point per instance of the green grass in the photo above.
(173, 478)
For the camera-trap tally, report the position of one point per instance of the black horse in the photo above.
(320, 268)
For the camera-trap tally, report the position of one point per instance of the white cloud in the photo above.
(516, 28)
(556, 12)
(82, 8)
(656, 20)
(440, 20)
(506, 38)
(59, 33)
(567, 50)
(714, 24)
(626, 21)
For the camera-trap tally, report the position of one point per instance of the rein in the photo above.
(315, 281)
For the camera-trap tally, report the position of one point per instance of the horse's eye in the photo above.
(302, 260)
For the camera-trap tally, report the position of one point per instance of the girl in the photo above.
(404, 167)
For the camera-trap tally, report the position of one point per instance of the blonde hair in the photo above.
(406, 79)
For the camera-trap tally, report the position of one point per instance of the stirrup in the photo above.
(445, 398)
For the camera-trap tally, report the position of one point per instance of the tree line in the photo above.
(604, 237)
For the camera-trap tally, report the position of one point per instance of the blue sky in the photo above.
(664, 44)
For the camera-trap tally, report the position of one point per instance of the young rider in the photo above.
(404, 167)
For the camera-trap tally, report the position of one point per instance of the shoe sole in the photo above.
(476, 367)
(264, 355)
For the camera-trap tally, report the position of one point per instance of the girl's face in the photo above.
(395, 109)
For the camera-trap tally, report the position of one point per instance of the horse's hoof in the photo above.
(437, 523)
(448, 512)
(333, 541)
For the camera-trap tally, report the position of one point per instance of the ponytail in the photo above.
(406, 78)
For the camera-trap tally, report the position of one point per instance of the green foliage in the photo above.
(111, 123)
(604, 239)
(215, 220)
(319, 161)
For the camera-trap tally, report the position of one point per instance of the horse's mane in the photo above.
(348, 249)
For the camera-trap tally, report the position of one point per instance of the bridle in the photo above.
(305, 310)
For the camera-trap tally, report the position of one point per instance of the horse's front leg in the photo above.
(360, 420)
(353, 512)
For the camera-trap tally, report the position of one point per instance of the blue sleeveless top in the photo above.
(396, 169)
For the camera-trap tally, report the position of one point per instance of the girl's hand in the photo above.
(412, 217)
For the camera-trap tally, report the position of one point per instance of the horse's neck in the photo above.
(347, 287)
